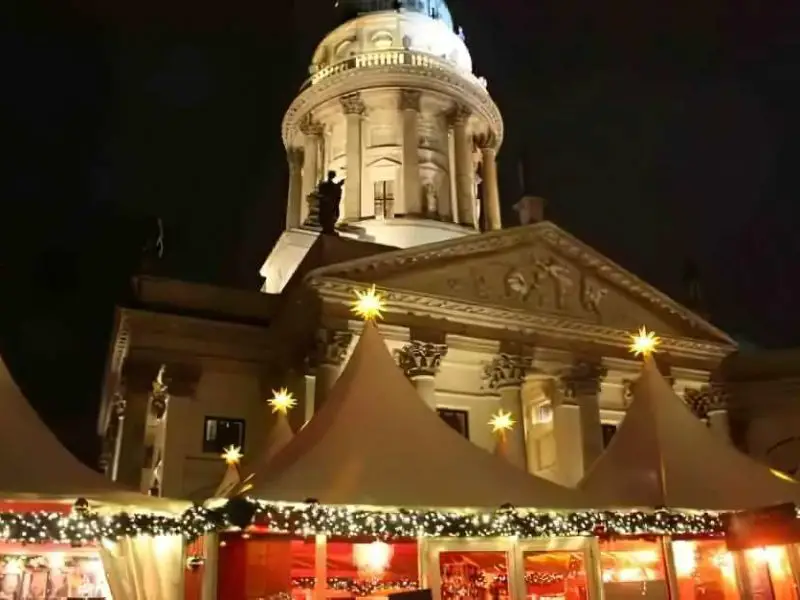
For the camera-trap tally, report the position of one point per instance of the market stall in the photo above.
(67, 531)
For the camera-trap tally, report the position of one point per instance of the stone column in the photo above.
(294, 202)
(412, 189)
(420, 362)
(491, 193)
(118, 414)
(354, 110)
(576, 420)
(332, 349)
(463, 164)
(505, 374)
(312, 130)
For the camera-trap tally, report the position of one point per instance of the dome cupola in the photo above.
(435, 9)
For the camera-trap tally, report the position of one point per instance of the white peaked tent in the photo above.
(35, 466)
(376, 443)
(664, 456)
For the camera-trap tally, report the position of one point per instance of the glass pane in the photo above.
(371, 568)
(770, 573)
(550, 575)
(473, 575)
(704, 570)
(632, 569)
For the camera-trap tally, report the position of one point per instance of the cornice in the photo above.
(404, 302)
(393, 76)
(560, 241)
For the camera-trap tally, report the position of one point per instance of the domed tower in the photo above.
(393, 108)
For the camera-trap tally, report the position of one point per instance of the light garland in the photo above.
(310, 519)
(357, 587)
(84, 527)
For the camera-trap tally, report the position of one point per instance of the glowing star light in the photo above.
(282, 401)
(368, 304)
(501, 422)
(232, 455)
(644, 343)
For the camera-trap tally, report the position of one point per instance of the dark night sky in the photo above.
(658, 130)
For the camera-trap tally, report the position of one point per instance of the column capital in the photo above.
(707, 400)
(583, 378)
(410, 100)
(310, 127)
(332, 346)
(352, 104)
(506, 371)
(420, 359)
(486, 142)
(294, 156)
(459, 115)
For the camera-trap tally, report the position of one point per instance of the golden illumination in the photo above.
(501, 422)
(282, 401)
(232, 455)
(372, 559)
(644, 343)
(369, 304)
(784, 476)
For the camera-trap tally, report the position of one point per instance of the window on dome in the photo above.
(457, 419)
(219, 433)
(384, 199)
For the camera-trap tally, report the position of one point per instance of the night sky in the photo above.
(659, 131)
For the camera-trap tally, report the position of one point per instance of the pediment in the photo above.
(537, 269)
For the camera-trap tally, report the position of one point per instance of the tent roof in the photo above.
(375, 442)
(664, 456)
(35, 466)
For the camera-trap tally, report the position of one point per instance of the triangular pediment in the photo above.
(534, 270)
(385, 161)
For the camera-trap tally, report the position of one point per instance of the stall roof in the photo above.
(664, 456)
(34, 465)
(376, 442)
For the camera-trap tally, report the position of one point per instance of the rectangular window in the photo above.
(608, 429)
(457, 419)
(219, 433)
(542, 414)
(384, 199)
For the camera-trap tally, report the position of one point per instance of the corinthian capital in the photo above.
(706, 400)
(486, 141)
(506, 370)
(582, 379)
(308, 126)
(294, 156)
(418, 359)
(459, 115)
(410, 100)
(352, 104)
(332, 346)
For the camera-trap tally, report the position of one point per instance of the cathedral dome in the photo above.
(436, 9)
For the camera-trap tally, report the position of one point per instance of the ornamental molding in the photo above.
(718, 346)
(406, 303)
(453, 85)
(420, 359)
(506, 371)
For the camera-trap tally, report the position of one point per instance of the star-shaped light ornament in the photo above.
(369, 304)
(282, 401)
(502, 422)
(232, 455)
(644, 343)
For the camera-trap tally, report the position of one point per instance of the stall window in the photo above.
(633, 569)
(704, 569)
(219, 433)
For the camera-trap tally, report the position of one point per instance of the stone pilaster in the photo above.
(576, 420)
(506, 374)
(459, 119)
(420, 362)
(412, 189)
(294, 201)
(354, 109)
(332, 347)
(491, 192)
(312, 131)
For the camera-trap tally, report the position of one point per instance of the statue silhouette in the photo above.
(330, 195)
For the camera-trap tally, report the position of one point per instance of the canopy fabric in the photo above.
(35, 466)
(664, 456)
(375, 442)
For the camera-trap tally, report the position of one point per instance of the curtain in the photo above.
(145, 567)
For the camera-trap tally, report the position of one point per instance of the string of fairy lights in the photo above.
(83, 526)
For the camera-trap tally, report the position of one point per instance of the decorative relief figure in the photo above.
(506, 370)
(592, 295)
(419, 359)
(518, 285)
(479, 283)
(559, 275)
(159, 396)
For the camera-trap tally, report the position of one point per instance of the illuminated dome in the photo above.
(436, 9)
